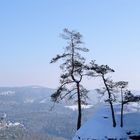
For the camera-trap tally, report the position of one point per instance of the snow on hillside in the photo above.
(99, 127)
(6, 124)
(29, 100)
(75, 107)
(44, 101)
(7, 93)
(10, 124)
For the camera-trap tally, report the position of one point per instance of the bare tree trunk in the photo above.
(110, 102)
(121, 109)
(113, 114)
(79, 107)
(122, 115)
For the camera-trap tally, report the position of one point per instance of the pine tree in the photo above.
(122, 86)
(73, 70)
(109, 85)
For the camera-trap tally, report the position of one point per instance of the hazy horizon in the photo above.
(30, 30)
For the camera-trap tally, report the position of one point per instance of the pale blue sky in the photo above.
(29, 38)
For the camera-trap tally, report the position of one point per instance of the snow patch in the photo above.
(10, 124)
(43, 101)
(29, 101)
(75, 107)
(7, 93)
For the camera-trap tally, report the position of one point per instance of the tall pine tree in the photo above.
(109, 85)
(73, 70)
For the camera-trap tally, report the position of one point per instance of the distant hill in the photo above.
(32, 107)
(29, 94)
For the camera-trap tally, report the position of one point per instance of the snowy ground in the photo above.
(100, 126)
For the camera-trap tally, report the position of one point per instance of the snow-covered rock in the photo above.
(99, 127)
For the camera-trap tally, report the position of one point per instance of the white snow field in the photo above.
(99, 127)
